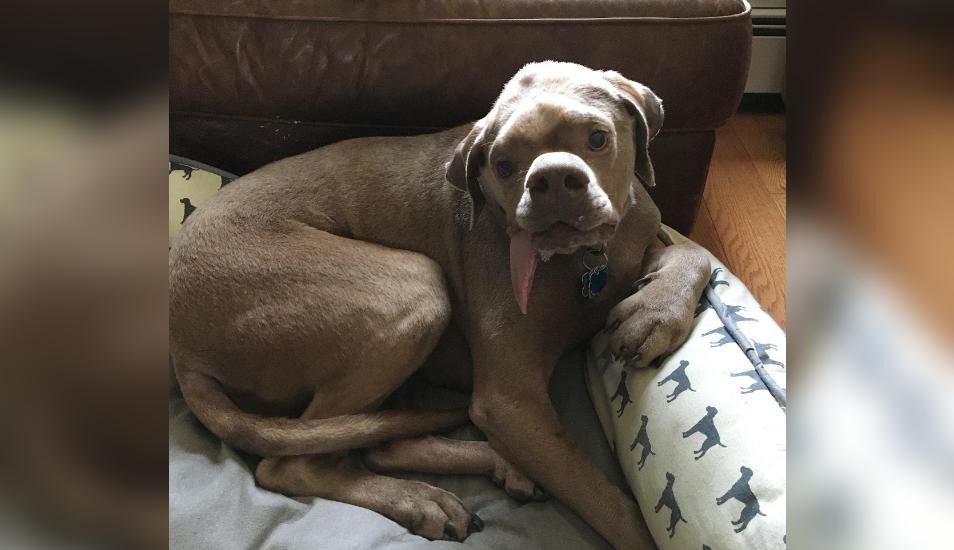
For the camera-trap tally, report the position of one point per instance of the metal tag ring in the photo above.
(599, 253)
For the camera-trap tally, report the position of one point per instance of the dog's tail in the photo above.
(273, 436)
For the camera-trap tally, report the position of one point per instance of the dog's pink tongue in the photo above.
(523, 262)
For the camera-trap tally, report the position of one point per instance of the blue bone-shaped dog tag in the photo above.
(594, 281)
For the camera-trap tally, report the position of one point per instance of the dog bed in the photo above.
(215, 503)
(701, 439)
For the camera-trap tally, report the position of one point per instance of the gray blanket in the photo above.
(214, 502)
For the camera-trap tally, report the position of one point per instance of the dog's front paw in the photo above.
(648, 324)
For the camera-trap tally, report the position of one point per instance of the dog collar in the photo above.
(596, 264)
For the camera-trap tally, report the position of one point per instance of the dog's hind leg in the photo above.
(304, 318)
(309, 321)
(442, 455)
(421, 508)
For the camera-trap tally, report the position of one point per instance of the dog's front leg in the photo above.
(657, 317)
(512, 407)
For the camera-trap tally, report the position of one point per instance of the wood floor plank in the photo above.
(780, 202)
(763, 136)
(704, 233)
(748, 220)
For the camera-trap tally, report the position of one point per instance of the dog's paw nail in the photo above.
(539, 494)
(626, 355)
(621, 356)
(614, 325)
(449, 532)
(638, 285)
(476, 524)
(633, 362)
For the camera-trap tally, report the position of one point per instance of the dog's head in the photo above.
(558, 156)
(559, 152)
(746, 472)
(711, 410)
(670, 477)
(644, 418)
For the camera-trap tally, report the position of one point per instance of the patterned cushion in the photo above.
(701, 439)
(190, 184)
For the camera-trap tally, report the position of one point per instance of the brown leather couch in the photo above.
(252, 81)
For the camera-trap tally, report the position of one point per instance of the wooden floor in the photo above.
(742, 219)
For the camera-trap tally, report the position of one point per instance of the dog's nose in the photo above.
(572, 181)
(557, 174)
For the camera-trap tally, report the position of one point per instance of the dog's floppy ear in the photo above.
(647, 109)
(464, 168)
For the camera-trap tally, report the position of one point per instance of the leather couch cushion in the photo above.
(438, 10)
(442, 63)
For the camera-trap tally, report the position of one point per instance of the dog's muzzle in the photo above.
(562, 204)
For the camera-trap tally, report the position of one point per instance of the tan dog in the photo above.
(305, 293)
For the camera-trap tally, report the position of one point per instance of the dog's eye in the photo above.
(597, 140)
(504, 168)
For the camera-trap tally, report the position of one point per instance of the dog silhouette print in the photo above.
(741, 491)
(623, 393)
(762, 351)
(642, 439)
(187, 208)
(668, 499)
(757, 383)
(726, 338)
(713, 282)
(678, 375)
(186, 170)
(705, 426)
(732, 312)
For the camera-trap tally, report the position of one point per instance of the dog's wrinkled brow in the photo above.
(594, 95)
(548, 111)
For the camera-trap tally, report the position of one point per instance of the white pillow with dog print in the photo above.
(701, 439)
